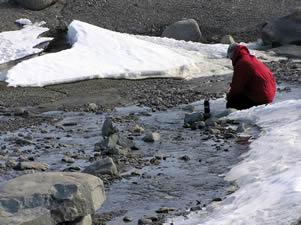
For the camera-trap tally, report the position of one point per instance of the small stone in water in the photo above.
(127, 219)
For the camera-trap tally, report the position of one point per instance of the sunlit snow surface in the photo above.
(269, 176)
(21, 43)
(100, 53)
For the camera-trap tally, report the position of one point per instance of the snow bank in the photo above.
(269, 176)
(100, 53)
(21, 43)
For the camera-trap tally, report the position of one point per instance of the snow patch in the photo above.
(101, 53)
(23, 22)
(18, 44)
(269, 176)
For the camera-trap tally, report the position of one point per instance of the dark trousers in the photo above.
(240, 102)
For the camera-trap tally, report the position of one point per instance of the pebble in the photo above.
(151, 137)
(11, 163)
(72, 169)
(67, 159)
(127, 219)
(185, 158)
(144, 221)
(31, 166)
(165, 210)
(92, 107)
(138, 129)
(69, 124)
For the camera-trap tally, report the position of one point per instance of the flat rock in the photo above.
(186, 30)
(50, 198)
(102, 166)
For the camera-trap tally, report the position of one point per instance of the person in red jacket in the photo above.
(252, 83)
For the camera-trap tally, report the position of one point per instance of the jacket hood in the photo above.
(240, 51)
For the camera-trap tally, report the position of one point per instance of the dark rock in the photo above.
(69, 124)
(283, 30)
(185, 158)
(195, 208)
(107, 128)
(165, 210)
(127, 219)
(21, 112)
(36, 4)
(187, 30)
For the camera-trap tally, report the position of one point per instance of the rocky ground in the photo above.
(216, 18)
(69, 139)
(155, 157)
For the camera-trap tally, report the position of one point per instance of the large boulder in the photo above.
(35, 4)
(283, 30)
(50, 198)
(187, 30)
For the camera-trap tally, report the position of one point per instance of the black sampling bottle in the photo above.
(206, 108)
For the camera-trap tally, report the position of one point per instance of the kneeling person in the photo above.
(252, 84)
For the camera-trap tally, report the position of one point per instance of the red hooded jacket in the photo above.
(251, 77)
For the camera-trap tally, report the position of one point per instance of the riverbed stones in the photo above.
(50, 199)
(36, 4)
(187, 30)
(283, 30)
(151, 137)
(102, 167)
